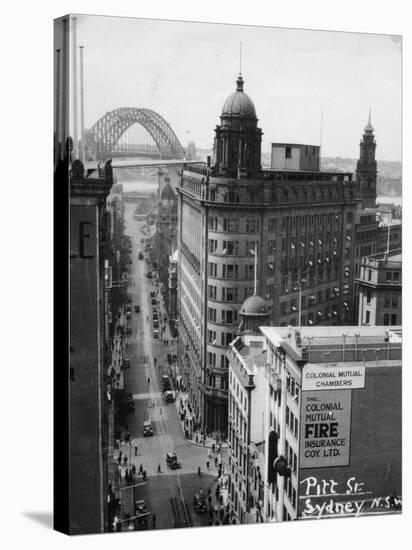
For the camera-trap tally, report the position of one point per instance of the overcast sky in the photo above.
(185, 71)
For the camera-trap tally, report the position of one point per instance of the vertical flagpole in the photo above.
(74, 83)
(83, 154)
(255, 290)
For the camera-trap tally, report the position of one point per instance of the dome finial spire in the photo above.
(239, 81)
(369, 128)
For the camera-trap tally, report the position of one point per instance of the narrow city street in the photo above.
(169, 494)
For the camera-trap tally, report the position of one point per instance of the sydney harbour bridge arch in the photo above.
(103, 137)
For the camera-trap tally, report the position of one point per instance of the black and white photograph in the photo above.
(234, 261)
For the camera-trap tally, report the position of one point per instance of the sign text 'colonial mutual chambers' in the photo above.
(324, 377)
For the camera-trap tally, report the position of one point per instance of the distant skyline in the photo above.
(185, 71)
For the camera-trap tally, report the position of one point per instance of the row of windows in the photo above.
(393, 276)
(292, 305)
(391, 299)
(288, 223)
(315, 317)
(227, 316)
(211, 361)
(292, 422)
(309, 261)
(309, 240)
(212, 379)
(231, 248)
(390, 319)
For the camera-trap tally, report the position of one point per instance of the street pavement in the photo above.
(169, 494)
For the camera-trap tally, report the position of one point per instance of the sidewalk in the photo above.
(115, 370)
(195, 437)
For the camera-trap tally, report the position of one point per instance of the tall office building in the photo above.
(90, 403)
(292, 224)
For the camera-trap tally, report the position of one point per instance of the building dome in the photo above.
(239, 103)
(254, 305)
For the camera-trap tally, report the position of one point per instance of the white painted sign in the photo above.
(326, 377)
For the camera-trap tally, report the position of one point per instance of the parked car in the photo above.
(165, 383)
(137, 309)
(128, 330)
(156, 333)
(199, 502)
(128, 315)
(126, 363)
(169, 396)
(149, 274)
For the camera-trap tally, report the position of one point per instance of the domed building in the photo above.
(237, 146)
(254, 313)
(257, 247)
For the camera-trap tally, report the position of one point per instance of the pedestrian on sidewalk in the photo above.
(135, 450)
(159, 471)
(154, 521)
(141, 469)
(215, 461)
(148, 380)
(213, 447)
(207, 464)
(155, 360)
(198, 471)
(144, 475)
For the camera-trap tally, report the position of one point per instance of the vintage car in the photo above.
(172, 462)
(200, 502)
(147, 428)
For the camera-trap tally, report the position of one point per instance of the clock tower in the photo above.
(366, 169)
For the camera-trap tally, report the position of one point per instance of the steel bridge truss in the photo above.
(108, 130)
